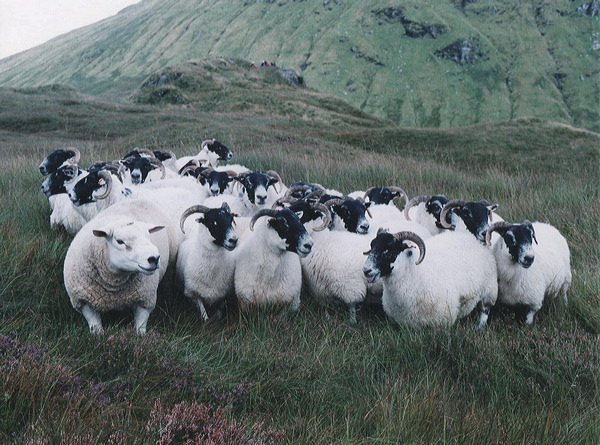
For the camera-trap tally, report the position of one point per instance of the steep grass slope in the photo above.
(440, 63)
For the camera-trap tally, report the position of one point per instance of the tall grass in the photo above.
(306, 378)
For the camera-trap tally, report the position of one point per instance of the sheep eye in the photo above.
(120, 241)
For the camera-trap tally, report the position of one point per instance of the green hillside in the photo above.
(445, 63)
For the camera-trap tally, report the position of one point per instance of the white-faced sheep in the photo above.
(117, 260)
(527, 271)
(205, 260)
(437, 288)
(267, 270)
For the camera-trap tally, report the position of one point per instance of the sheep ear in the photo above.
(100, 233)
(155, 229)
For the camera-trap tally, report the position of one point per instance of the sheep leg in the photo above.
(140, 319)
(484, 312)
(201, 308)
(353, 309)
(93, 319)
(529, 315)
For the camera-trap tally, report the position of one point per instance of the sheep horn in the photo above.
(412, 236)
(284, 200)
(530, 225)
(414, 202)
(76, 155)
(333, 202)
(315, 194)
(207, 171)
(494, 227)
(189, 211)
(172, 156)
(160, 165)
(144, 151)
(104, 174)
(449, 206)
(189, 168)
(262, 212)
(326, 216)
(276, 176)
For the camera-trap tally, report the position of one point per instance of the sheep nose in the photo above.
(308, 246)
(364, 228)
(153, 260)
(528, 260)
(367, 272)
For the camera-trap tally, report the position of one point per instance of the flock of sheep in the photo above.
(261, 242)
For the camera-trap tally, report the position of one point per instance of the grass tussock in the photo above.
(305, 378)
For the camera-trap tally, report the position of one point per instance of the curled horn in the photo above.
(449, 206)
(326, 216)
(414, 202)
(284, 200)
(262, 212)
(189, 211)
(189, 168)
(160, 165)
(315, 194)
(206, 142)
(333, 202)
(116, 168)
(76, 155)
(144, 151)
(412, 236)
(494, 227)
(172, 156)
(530, 225)
(230, 173)
(275, 175)
(104, 174)
(362, 201)
(207, 171)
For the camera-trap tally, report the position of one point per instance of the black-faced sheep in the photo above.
(533, 262)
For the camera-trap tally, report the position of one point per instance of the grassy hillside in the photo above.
(307, 378)
(446, 63)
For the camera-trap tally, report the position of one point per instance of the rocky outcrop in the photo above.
(463, 52)
(411, 28)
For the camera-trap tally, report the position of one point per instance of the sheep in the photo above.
(205, 260)
(457, 274)
(348, 214)
(426, 210)
(56, 187)
(218, 182)
(57, 158)
(528, 273)
(474, 217)
(211, 150)
(259, 190)
(140, 167)
(267, 268)
(333, 271)
(117, 260)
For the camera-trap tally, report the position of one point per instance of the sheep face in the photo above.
(139, 167)
(84, 190)
(219, 223)
(130, 247)
(385, 250)
(352, 213)
(54, 184)
(292, 233)
(217, 149)
(476, 216)
(218, 182)
(256, 185)
(55, 159)
(519, 240)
